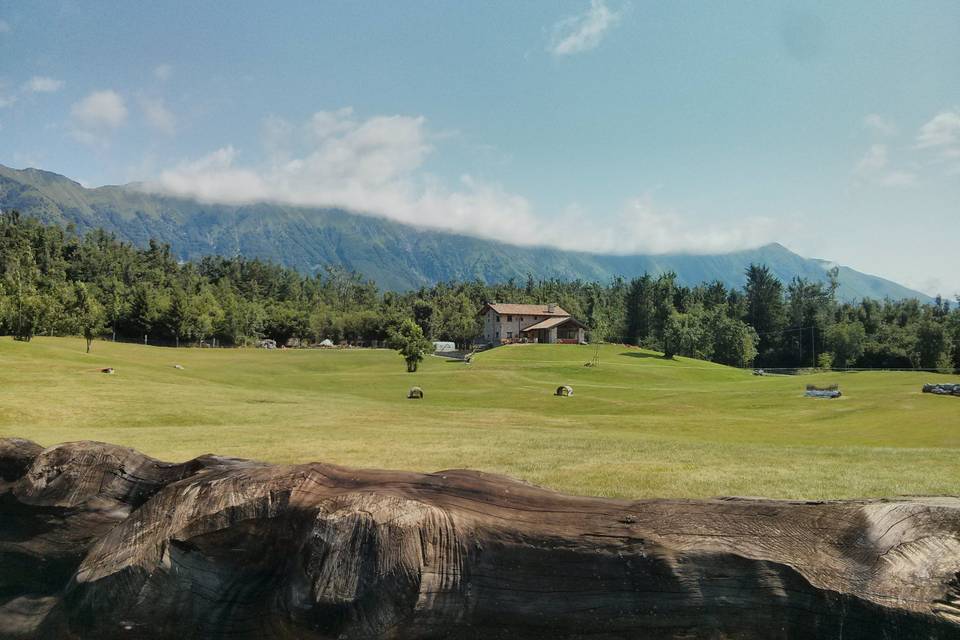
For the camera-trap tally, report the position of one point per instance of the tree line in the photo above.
(54, 281)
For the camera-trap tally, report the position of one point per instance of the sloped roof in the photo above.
(550, 323)
(526, 309)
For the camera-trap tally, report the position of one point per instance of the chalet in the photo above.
(506, 323)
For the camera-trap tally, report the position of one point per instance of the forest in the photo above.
(54, 281)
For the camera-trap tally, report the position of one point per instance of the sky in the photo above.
(599, 125)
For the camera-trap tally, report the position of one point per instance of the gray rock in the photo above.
(99, 541)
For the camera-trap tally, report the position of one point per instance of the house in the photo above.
(506, 323)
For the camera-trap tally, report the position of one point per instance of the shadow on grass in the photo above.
(636, 354)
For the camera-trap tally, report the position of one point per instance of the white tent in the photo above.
(326, 343)
(440, 347)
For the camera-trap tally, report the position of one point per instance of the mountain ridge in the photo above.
(395, 255)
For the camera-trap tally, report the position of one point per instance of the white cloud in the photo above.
(327, 123)
(42, 84)
(96, 115)
(873, 168)
(163, 72)
(212, 178)
(878, 124)
(100, 110)
(7, 99)
(368, 165)
(899, 179)
(375, 166)
(36, 84)
(582, 32)
(278, 137)
(644, 227)
(943, 130)
(158, 115)
(874, 160)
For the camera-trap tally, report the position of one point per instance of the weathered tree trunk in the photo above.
(99, 541)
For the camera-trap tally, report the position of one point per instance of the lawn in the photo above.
(637, 426)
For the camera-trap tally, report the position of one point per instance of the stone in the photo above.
(942, 389)
(100, 541)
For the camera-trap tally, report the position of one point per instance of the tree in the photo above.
(933, 344)
(319, 321)
(890, 347)
(685, 334)
(639, 309)
(846, 340)
(88, 314)
(148, 291)
(423, 315)
(808, 307)
(30, 311)
(734, 342)
(178, 315)
(205, 314)
(764, 306)
(284, 320)
(116, 303)
(4, 308)
(458, 320)
(147, 307)
(409, 341)
(664, 294)
(953, 328)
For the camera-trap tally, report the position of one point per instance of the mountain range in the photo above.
(394, 255)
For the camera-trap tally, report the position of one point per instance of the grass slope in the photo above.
(638, 426)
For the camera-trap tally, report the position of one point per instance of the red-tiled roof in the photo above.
(526, 309)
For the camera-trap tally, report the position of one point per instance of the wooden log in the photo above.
(101, 541)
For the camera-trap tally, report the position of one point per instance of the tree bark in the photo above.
(101, 541)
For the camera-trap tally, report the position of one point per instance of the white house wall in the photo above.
(509, 327)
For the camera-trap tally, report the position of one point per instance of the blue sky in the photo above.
(833, 128)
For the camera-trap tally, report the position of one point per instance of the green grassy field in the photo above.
(637, 426)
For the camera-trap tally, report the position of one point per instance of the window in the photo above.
(509, 318)
(498, 318)
(509, 334)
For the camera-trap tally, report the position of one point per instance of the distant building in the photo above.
(544, 323)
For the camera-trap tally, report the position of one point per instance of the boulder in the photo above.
(822, 393)
(942, 389)
(99, 541)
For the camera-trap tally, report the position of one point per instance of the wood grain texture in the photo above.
(101, 541)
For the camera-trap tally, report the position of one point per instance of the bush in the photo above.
(825, 361)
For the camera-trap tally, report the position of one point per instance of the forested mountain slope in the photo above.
(396, 256)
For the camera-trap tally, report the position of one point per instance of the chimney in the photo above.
(551, 307)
